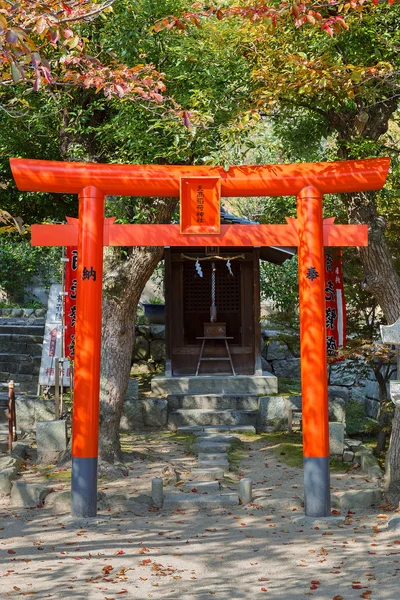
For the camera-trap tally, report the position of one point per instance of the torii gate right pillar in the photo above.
(314, 376)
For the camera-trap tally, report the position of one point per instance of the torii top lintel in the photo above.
(164, 180)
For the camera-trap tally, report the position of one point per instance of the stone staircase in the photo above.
(20, 355)
(215, 410)
(203, 487)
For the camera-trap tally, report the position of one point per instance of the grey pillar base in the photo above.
(317, 494)
(84, 487)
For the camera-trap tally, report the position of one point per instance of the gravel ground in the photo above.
(134, 551)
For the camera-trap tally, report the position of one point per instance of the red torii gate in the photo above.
(308, 182)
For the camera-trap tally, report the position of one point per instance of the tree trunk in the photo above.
(125, 275)
(381, 278)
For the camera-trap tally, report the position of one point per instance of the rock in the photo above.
(17, 312)
(280, 504)
(342, 374)
(157, 332)
(31, 409)
(19, 450)
(337, 409)
(394, 523)
(143, 330)
(372, 390)
(358, 394)
(5, 485)
(288, 368)
(336, 439)
(337, 391)
(155, 412)
(142, 349)
(157, 350)
(28, 312)
(132, 393)
(51, 440)
(28, 495)
(266, 366)
(371, 408)
(353, 444)
(361, 498)
(143, 368)
(132, 413)
(272, 415)
(277, 350)
(348, 456)
(59, 502)
(370, 465)
(40, 312)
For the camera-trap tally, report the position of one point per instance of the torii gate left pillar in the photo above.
(308, 182)
(85, 423)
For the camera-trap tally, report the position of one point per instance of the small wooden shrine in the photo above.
(212, 307)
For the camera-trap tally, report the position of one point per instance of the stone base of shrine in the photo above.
(256, 385)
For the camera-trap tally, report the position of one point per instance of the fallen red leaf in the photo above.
(11, 552)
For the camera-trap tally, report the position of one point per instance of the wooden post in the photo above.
(11, 414)
(57, 389)
(85, 424)
(314, 376)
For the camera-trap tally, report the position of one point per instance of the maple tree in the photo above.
(40, 44)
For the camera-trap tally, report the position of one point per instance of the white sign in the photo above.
(52, 341)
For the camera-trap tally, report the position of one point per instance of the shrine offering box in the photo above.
(214, 329)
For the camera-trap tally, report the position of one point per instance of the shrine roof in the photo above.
(271, 254)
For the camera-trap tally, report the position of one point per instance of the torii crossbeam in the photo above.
(308, 182)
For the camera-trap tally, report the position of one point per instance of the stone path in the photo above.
(203, 485)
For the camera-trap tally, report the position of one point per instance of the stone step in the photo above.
(203, 429)
(220, 462)
(213, 401)
(227, 438)
(210, 447)
(20, 346)
(37, 330)
(211, 487)
(206, 474)
(212, 456)
(212, 417)
(256, 385)
(201, 501)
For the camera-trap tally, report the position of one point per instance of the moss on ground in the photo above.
(288, 449)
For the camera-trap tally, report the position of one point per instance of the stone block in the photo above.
(132, 392)
(358, 394)
(28, 495)
(266, 366)
(155, 412)
(266, 383)
(372, 389)
(337, 391)
(59, 502)
(51, 439)
(361, 498)
(343, 374)
(371, 408)
(11, 462)
(20, 449)
(336, 439)
(142, 348)
(17, 312)
(288, 368)
(157, 350)
(337, 409)
(348, 456)
(277, 350)
(5, 485)
(28, 410)
(132, 416)
(272, 415)
(143, 368)
(143, 330)
(157, 332)
(370, 465)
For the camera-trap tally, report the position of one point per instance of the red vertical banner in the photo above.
(70, 301)
(335, 306)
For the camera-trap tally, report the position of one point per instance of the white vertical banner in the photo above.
(52, 340)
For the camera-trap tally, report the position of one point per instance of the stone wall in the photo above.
(149, 351)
